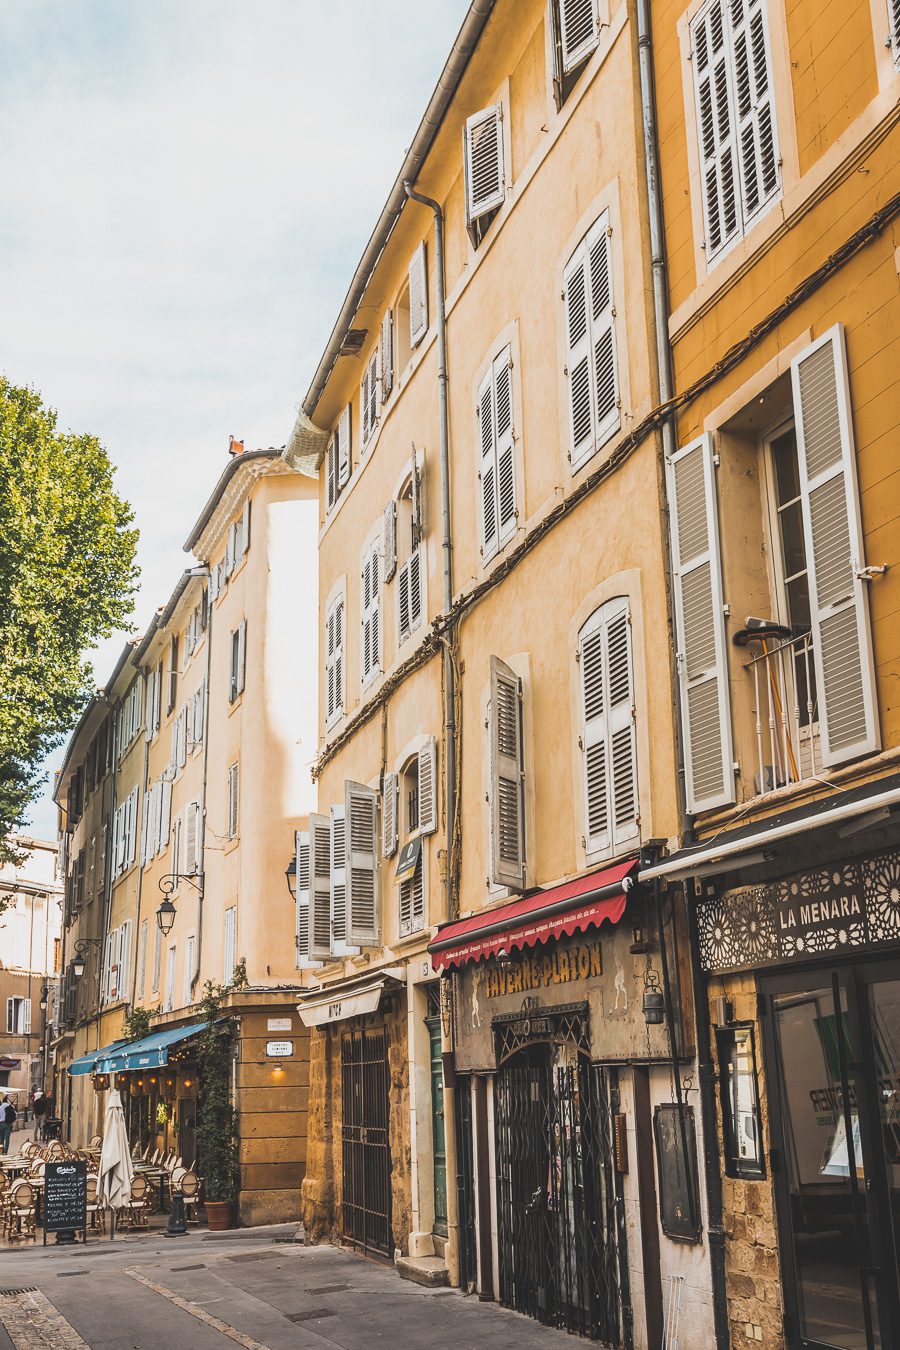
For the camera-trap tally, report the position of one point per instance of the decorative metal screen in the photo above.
(365, 1147)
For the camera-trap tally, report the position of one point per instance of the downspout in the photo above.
(110, 860)
(140, 884)
(705, 1066)
(203, 572)
(446, 545)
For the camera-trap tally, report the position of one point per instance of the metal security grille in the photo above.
(556, 1200)
(365, 1148)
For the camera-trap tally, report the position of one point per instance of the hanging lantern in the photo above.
(654, 1002)
(100, 1081)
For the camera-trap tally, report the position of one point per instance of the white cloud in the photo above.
(188, 187)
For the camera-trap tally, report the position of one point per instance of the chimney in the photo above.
(235, 447)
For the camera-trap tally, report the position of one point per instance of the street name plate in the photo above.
(279, 1024)
(279, 1049)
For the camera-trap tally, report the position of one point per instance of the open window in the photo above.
(485, 171)
(405, 532)
(410, 811)
(575, 33)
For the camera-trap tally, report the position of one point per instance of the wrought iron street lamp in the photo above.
(81, 948)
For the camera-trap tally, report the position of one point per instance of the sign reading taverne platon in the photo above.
(843, 908)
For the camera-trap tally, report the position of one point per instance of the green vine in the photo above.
(137, 1024)
(216, 1124)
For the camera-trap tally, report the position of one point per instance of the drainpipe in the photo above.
(705, 1066)
(446, 537)
(203, 572)
(140, 887)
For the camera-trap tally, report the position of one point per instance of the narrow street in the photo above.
(258, 1289)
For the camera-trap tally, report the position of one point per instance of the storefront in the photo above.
(804, 982)
(157, 1078)
(553, 1063)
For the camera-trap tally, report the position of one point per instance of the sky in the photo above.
(188, 187)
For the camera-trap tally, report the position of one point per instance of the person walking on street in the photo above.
(8, 1115)
(39, 1106)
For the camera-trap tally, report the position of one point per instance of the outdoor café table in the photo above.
(157, 1177)
(15, 1166)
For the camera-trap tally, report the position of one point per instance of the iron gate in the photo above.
(365, 1148)
(465, 1184)
(556, 1196)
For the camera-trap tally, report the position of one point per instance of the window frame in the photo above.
(334, 658)
(734, 1165)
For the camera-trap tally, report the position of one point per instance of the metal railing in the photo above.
(786, 712)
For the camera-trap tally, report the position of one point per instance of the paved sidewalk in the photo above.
(254, 1288)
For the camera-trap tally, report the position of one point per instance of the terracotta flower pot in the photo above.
(218, 1215)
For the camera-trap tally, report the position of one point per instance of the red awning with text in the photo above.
(559, 912)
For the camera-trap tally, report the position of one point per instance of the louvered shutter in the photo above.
(711, 62)
(229, 551)
(412, 902)
(142, 960)
(371, 615)
(145, 827)
(755, 117)
(245, 527)
(417, 498)
(428, 807)
(894, 9)
(213, 590)
(132, 805)
(389, 803)
(390, 540)
(505, 449)
(839, 604)
(507, 778)
(343, 448)
(304, 958)
(387, 354)
(608, 731)
(320, 899)
(192, 839)
(339, 944)
(368, 398)
(700, 626)
(233, 792)
(334, 661)
(230, 944)
(490, 527)
(242, 656)
(331, 473)
(361, 804)
(603, 345)
(579, 26)
(151, 704)
(165, 814)
(151, 800)
(200, 712)
(578, 359)
(414, 567)
(485, 178)
(418, 296)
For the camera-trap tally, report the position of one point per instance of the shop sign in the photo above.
(529, 971)
(279, 1049)
(847, 907)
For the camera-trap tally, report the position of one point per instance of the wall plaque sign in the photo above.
(279, 1049)
(846, 907)
(279, 1024)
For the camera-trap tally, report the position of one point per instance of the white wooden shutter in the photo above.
(131, 817)
(389, 803)
(177, 832)
(505, 449)
(242, 656)
(331, 472)
(229, 550)
(485, 177)
(157, 957)
(145, 827)
(590, 330)
(304, 959)
(339, 943)
(334, 662)
(233, 790)
(164, 815)
(125, 958)
(507, 777)
(894, 14)
(192, 839)
(839, 603)
(370, 636)
(417, 498)
(245, 527)
(579, 31)
(603, 343)
(386, 352)
(490, 531)
(230, 945)
(418, 296)
(368, 398)
(711, 63)
(213, 590)
(390, 536)
(151, 801)
(343, 448)
(320, 899)
(428, 807)
(701, 654)
(412, 902)
(361, 805)
(142, 961)
(608, 731)
(578, 358)
(753, 101)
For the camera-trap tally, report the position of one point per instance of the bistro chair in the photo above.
(96, 1142)
(19, 1211)
(96, 1214)
(55, 1151)
(189, 1187)
(138, 1207)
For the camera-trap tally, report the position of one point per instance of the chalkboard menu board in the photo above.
(65, 1196)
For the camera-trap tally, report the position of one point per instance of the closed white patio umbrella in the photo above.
(116, 1171)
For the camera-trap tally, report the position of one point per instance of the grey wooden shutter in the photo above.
(507, 777)
(579, 27)
(344, 449)
(578, 358)
(389, 802)
(415, 589)
(701, 655)
(387, 354)
(839, 603)
(505, 448)
(320, 900)
(711, 61)
(302, 846)
(361, 805)
(428, 806)
(390, 540)
(418, 296)
(485, 177)
(490, 531)
(242, 656)
(339, 945)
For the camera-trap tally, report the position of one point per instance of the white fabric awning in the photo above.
(345, 1000)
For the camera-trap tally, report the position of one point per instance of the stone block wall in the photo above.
(272, 1120)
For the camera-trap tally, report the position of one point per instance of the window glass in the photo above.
(740, 1102)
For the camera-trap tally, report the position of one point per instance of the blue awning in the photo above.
(86, 1063)
(150, 1053)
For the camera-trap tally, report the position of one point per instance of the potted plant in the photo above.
(216, 1132)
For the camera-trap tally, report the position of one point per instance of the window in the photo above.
(173, 674)
(407, 537)
(334, 663)
(177, 828)
(125, 833)
(338, 876)
(142, 960)
(154, 701)
(196, 717)
(894, 39)
(18, 1016)
(735, 117)
(507, 777)
(232, 801)
(319, 928)
(370, 606)
(386, 363)
(337, 460)
(741, 1119)
(418, 296)
(189, 946)
(368, 400)
(230, 959)
(179, 741)
(157, 958)
(591, 344)
(497, 472)
(192, 838)
(238, 667)
(170, 981)
(410, 800)
(608, 729)
(484, 170)
(128, 722)
(575, 33)
(304, 934)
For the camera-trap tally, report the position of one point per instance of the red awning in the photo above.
(532, 919)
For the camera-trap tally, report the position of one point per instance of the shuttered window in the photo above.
(304, 885)
(839, 613)
(230, 958)
(389, 802)
(368, 399)
(386, 354)
(409, 596)
(188, 972)
(157, 959)
(591, 360)
(334, 663)
(427, 797)
(142, 961)
(608, 729)
(337, 459)
(507, 767)
(735, 112)
(579, 31)
(390, 540)
(418, 297)
(370, 606)
(484, 169)
(339, 943)
(412, 902)
(497, 466)
(320, 887)
(361, 806)
(192, 838)
(233, 788)
(701, 653)
(238, 671)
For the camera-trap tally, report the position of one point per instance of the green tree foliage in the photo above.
(67, 578)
